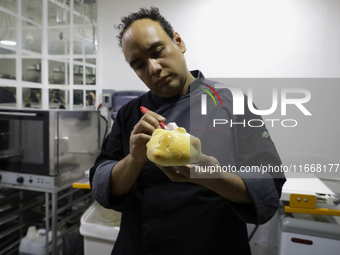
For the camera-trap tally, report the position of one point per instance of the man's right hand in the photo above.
(125, 173)
(141, 134)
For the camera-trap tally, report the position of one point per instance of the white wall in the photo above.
(225, 38)
(246, 38)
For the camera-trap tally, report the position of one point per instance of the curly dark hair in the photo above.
(143, 13)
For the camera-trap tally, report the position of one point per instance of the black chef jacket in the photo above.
(160, 217)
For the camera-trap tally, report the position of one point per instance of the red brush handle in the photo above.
(145, 110)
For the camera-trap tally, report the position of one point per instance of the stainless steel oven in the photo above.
(48, 143)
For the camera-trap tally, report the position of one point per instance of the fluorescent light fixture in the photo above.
(7, 42)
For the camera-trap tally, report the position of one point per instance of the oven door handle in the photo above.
(18, 114)
(11, 155)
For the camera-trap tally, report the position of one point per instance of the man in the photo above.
(164, 211)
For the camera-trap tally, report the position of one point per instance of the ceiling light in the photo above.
(7, 42)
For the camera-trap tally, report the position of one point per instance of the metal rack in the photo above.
(15, 215)
(57, 209)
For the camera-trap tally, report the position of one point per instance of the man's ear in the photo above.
(179, 42)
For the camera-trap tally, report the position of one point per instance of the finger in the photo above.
(143, 127)
(139, 138)
(157, 116)
(148, 123)
(153, 118)
(208, 161)
(183, 170)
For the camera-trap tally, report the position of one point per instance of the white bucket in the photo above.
(100, 228)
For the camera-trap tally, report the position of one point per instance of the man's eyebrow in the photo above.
(152, 46)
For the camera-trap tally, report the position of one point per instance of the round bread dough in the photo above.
(173, 147)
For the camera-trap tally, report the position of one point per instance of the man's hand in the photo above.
(182, 173)
(228, 185)
(141, 134)
(125, 173)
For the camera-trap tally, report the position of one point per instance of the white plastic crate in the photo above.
(100, 228)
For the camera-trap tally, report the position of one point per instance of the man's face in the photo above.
(157, 60)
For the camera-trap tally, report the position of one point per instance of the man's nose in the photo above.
(154, 67)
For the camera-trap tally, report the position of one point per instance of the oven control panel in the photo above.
(28, 180)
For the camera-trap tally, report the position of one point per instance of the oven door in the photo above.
(24, 141)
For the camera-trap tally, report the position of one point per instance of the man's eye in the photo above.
(159, 52)
(139, 66)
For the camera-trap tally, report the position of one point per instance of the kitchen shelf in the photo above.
(58, 209)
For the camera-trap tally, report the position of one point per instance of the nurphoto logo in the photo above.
(238, 105)
(204, 98)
